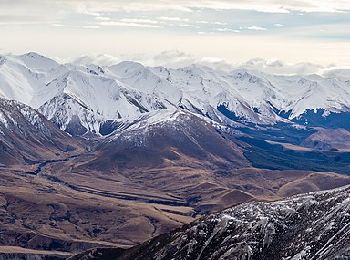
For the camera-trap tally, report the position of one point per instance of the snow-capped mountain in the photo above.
(81, 98)
(158, 138)
(309, 226)
(26, 136)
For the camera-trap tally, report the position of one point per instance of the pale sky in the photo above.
(176, 32)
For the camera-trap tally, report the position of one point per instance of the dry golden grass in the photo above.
(22, 250)
(68, 207)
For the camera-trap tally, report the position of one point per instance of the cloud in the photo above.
(139, 21)
(170, 59)
(174, 19)
(103, 18)
(219, 23)
(268, 6)
(22, 12)
(21, 23)
(278, 67)
(216, 63)
(128, 24)
(173, 59)
(202, 22)
(256, 28)
(337, 72)
(227, 30)
(102, 60)
(83, 9)
(185, 25)
(90, 26)
(178, 59)
(58, 25)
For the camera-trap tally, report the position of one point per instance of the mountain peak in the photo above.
(38, 62)
(128, 65)
(33, 54)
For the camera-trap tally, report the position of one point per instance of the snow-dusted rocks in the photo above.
(161, 137)
(305, 227)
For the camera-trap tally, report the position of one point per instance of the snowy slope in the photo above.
(92, 99)
(197, 89)
(86, 96)
(37, 62)
(242, 91)
(166, 136)
(312, 92)
(27, 136)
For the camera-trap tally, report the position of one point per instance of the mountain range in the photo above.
(113, 156)
(81, 98)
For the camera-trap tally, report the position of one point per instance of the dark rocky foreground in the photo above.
(309, 226)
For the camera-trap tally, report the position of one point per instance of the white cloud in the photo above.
(184, 25)
(216, 63)
(90, 26)
(173, 59)
(337, 72)
(137, 20)
(103, 18)
(219, 23)
(278, 25)
(295, 43)
(21, 23)
(269, 6)
(274, 66)
(256, 28)
(83, 9)
(227, 30)
(179, 59)
(102, 60)
(174, 19)
(24, 12)
(202, 22)
(128, 24)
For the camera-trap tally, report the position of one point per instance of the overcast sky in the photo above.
(165, 31)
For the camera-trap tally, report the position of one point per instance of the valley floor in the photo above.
(60, 206)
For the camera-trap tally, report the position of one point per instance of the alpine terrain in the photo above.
(310, 226)
(113, 156)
